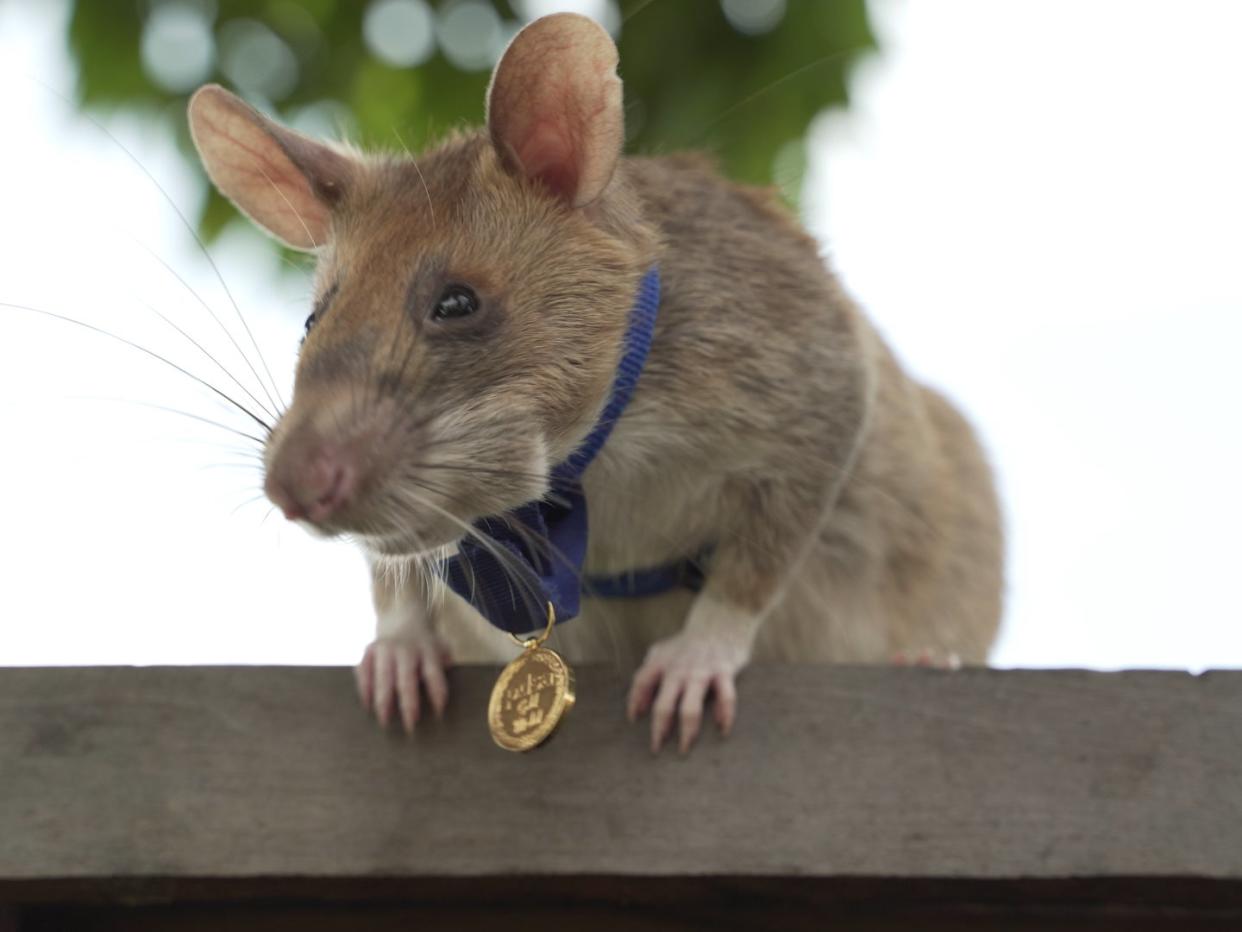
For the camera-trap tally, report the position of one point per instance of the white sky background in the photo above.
(1038, 202)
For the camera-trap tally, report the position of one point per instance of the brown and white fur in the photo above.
(851, 511)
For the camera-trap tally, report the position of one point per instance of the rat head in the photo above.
(471, 303)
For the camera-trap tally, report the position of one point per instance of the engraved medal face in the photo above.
(528, 701)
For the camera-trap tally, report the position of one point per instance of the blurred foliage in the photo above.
(692, 80)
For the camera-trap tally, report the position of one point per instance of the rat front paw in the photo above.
(394, 670)
(678, 674)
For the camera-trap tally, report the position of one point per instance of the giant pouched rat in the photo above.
(472, 308)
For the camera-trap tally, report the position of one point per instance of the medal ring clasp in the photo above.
(532, 642)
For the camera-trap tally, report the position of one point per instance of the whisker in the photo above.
(166, 408)
(249, 487)
(483, 470)
(427, 191)
(184, 222)
(516, 573)
(303, 266)
(207, 307)
(537, 543)
(634, 12)
(309, 235)
(824, 60)
(203, 350)
(249, 501)
(154, 355)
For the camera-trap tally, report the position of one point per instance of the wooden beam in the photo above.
(844, 785)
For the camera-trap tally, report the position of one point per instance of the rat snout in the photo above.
(326, 456)
(312, 479)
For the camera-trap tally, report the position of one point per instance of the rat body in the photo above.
(471, 315)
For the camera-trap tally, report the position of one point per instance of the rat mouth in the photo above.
(400, 493)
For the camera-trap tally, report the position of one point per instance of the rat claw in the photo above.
(726, 702)
(364, 676)
(407, 689)
(660, 724)
(435, 683)
(662, 712)
(680, 673)
(385, 685)
(642, 691)
(691, 712)
(394, 670)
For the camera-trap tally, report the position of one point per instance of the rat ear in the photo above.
(554, 106)
(284, 181)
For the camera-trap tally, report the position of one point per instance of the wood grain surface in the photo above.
(155, 783)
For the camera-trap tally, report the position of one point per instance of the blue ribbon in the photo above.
(545, 541)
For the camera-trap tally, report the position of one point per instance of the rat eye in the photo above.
(321, 308)
(455, 301)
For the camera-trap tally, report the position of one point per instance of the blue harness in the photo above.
(544, 542)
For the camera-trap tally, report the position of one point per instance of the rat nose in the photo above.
(313, 484)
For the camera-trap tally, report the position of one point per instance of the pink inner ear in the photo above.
(554, 106)
(264, 173)
(255, 163)
(267, 185)
(549, 154)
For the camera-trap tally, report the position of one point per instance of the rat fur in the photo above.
(851, 511)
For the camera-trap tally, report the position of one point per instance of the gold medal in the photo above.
(533, 694)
